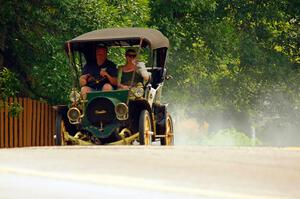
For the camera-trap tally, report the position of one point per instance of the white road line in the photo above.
(136, 183)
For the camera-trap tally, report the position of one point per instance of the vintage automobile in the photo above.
(124, 117)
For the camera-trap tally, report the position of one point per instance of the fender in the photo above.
(135, 108)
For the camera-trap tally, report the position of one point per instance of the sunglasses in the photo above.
(132, 56)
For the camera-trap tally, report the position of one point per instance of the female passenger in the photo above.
(132, 72)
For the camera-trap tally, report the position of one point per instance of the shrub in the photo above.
(229, 137)
(9, 87)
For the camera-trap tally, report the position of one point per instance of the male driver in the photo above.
(99, 76)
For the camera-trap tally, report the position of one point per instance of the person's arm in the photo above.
(122, 86)
(111, 73)
(142, 70)
(112, 80)
(83, 79)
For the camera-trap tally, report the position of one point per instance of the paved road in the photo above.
(150, 172)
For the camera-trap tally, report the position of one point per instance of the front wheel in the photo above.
(60, 128)
(145, 128)
(169, 132)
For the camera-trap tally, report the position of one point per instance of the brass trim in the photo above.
(97, 112)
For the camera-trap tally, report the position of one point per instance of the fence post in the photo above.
(1, 125)
(34, 123)
(16, 128)
(43, 124)
(21, 128)
(6, 127)
(38, 129)
(46, 124)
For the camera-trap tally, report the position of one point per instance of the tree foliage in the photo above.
(34, 33)
(9, 87)
(239, 58)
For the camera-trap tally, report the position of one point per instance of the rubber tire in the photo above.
(164, 140)
(58, 130)
(144, 115)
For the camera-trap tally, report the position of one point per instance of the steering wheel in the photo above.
(96, 82)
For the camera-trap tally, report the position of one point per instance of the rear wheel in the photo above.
(145, 128)
(169, 133)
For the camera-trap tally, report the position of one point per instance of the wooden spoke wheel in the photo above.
(169, 132)
(59, 131)
(145, 128)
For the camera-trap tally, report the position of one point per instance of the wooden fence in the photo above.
(35, 125)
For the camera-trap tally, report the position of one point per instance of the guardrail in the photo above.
(35, 126)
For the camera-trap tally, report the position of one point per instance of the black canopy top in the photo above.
(123, 37)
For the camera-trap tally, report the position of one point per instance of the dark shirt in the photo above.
(94, 70)
(127, 78)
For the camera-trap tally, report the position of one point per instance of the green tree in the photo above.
(33, 34)
(233, 57)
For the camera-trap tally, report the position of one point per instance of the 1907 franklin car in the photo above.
(134, 115)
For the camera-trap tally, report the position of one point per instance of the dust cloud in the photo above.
(195, 130)
(187, 130)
